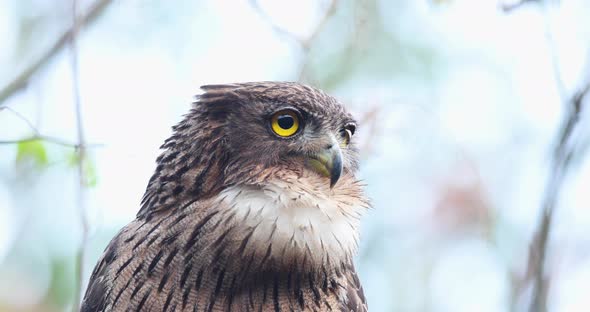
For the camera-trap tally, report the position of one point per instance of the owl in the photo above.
(254, 206)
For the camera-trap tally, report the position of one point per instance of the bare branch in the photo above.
(22, 79)
(369, 118)
(320, 26)
(552, 47)
(37, 136)
(578, 98)
(563, 152)
(304, 43)
(509, 7)
(40, 138)
(81, 200)
(276, 28)
(21, 117)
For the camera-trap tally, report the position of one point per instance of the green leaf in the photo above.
(72, 158)
(89, 169)
(90, 173)
(33, 152)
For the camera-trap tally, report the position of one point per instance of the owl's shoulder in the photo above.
(115, 269)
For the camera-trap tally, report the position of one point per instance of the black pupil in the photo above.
(286, 121)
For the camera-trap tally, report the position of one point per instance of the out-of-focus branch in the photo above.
(305, 43)
(21, 117)
(81, 198)
(551, 46)
(40, 138)
(22, 79)
(369, 119)
(564, 151)
(276, 28)
(37, 136)
(509, 7)
(578, 99)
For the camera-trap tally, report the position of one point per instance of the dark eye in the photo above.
(347, 133)
(285, 123)
(350, 127)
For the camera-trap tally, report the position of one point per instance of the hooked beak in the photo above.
(327, 162)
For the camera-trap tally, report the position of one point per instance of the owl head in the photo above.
(248, 133)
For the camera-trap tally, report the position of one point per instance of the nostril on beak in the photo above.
(329, 146)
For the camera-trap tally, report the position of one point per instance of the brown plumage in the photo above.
(239, 216)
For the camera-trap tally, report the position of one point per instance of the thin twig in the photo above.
(564, 150)
(509, 7)
(37, 136)
(321, 24)
(304, 43)
(22, 79)
(21, 117)
(276, 28)
(369, 119)
(40, 138)
(552, 47)
(578, 98)
(81, 200)
(560, 168)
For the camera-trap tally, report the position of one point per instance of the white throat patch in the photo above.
(300, 216)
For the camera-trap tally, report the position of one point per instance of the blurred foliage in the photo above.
(88, 167)
(32, 152)
(366, 41)
(56, 295)
(61, 287)
(369, 50)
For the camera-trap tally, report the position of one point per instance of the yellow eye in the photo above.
(285, 123)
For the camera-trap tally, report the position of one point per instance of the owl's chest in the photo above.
(297, 221)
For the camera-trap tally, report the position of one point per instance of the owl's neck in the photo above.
(296, 220)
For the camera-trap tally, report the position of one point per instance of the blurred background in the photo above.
(473, 134)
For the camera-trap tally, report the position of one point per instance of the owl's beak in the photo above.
(327, 162)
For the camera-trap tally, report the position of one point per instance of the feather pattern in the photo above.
(224, 227)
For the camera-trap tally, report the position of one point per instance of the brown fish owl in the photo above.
(254, 206)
